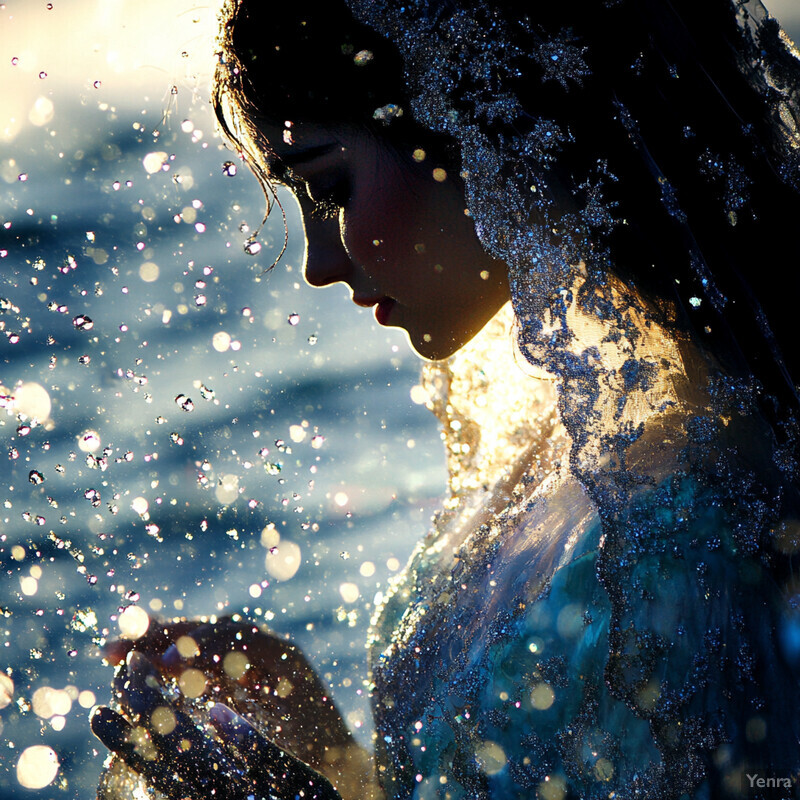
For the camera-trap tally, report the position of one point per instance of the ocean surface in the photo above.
(165, 398)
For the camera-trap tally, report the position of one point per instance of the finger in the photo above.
(263, 676)
(286, 775)
(130, 744)
(182, 746)
(236, 730)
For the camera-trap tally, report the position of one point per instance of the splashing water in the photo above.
(252, 247)
(83, 323)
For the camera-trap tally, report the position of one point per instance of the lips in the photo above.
(383, 306)
(383, 310)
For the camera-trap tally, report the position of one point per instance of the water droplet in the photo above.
(184, 402)
(97, 85)
(363, 57)
(35, 477)
(14, 61)
(293, 318)
(229, 169)
(313, 339)
(252, 247)
(155, 162)
(22, 177)
(37, 767)
(83, 323)
(42, 75)
(89, 442)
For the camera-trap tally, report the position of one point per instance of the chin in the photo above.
(436, 349)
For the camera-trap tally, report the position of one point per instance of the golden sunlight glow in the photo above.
(192, 683)
(49, 702)
(110, 52)
(283, 561)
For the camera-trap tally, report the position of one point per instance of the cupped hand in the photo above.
(262, 679)
(230, 759)
(258, 674)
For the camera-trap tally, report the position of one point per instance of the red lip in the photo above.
(367, 302)
(383, 306)
(383, 310)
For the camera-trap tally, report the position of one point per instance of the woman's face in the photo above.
(393, 228)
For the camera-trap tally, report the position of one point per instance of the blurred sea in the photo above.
(205, 398)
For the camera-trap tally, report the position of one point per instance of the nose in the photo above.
(327, 261)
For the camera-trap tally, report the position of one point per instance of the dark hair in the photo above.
(672, 108)
(311, 64)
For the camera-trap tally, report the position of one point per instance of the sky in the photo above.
(121, 52)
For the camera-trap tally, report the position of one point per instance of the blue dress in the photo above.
(511, 661)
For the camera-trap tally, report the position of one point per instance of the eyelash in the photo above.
(327, 203)
(331, 202)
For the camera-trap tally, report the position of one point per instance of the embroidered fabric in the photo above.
(533, 648)
(467, 64)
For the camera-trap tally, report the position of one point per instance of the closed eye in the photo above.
(328, 200)
(296, 158)
(313, 177)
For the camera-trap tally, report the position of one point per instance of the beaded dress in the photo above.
(504, 662)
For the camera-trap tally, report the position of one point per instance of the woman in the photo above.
(606, 605)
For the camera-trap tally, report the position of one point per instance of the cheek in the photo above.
(379, 230)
